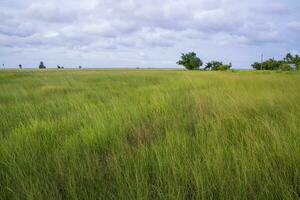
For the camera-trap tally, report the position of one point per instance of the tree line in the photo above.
(42, 66)
(191, 62)
(289, 62)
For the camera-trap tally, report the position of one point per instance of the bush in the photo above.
(224, 67)
(217, 66)
(285, 67)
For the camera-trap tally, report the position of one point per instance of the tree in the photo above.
(289, 58)
(58, 67)
(190, 61)
(20, 66)
(217, 66)
(42, 66)
(256, 66)
(224, 67)
(80, 67)
(270, 64)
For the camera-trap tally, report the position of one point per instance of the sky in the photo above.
(145, 33)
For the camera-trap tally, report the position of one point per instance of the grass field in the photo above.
(149, 134)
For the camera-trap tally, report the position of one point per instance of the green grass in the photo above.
(149, 134)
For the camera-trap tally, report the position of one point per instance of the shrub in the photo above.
(217, 66)
(224, 67)
(285, 67)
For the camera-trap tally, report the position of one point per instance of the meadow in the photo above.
(149, 134)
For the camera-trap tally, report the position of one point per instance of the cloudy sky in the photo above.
(145, 33)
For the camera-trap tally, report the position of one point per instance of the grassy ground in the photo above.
(146, 134)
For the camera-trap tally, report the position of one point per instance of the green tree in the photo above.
(270, 64)
(289, 58)
(42, 66)
(217, 66)
(190, 61)
(224, 67)
(256, 66)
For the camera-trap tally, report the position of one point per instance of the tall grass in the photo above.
(146, 134)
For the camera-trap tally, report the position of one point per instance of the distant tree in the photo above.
(289, 58)
(285, 67)
(190, 61)
(58, 67)
(80, 67)
(224, 67)
(62, 67)
(208, 66)
(296, 61)
(42, 66)
(270, 64)
(20, 66)
(217, 66)
(256, 66)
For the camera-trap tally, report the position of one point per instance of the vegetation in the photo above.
(285, 64)
(285, 67)
(42, 66)
(190, 61)
(145, 134)
(217, 66)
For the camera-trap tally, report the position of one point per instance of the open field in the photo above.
(149, 134)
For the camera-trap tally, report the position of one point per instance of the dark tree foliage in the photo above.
(20, 66)
(80, 67)
(190, 61)
(290, 59)
(217, 66)
(58, 67)
(270, 64)
(213, 65)
(42, 66)
(257, 66)
(284, 65)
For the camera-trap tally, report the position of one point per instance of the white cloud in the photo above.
(294, 25)
(93, 27)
